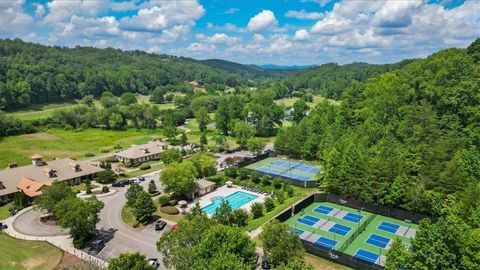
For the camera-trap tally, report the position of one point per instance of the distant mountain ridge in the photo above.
(244, 70)
(282, 67)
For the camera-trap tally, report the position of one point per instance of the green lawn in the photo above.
(68, 143)
(20, 254)
(288, 102)
(81, 187)
(172, 218)
(142, 172)
(128, 217)
(4, 214)
(323, 264)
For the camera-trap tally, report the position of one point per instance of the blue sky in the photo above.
(285, 32)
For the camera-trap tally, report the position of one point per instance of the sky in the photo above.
(282, 32)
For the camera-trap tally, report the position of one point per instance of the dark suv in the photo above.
(160, 224)
(96, 246)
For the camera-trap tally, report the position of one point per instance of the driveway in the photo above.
(118, 236)
(28, 223)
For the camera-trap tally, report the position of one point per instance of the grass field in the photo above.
(81, 187)
(44, 111)
(20, 254)
(4, 214)
(288, 102)
(128, 217)
(68, 143)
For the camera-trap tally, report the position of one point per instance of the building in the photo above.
(202, 187)
(32, 178)
(141, 153)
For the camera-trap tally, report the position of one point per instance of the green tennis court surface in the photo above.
(363, 235)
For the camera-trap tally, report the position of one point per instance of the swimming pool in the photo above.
(235, 200)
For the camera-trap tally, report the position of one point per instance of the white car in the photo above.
(135, 180)
(154, 262)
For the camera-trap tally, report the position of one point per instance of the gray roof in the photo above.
(203, 183)
(63, 168)
(144, 150)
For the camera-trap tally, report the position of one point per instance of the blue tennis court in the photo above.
(307, 168)
(340, 229)
(378, 240)
(308, 220)
(366, 256)
(388, 227)
(353, 217)
(326, 242)
(289, 174)
(322, 209)
(299, 232)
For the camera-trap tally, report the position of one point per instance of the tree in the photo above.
(203, 139)
(132, 194)
(242, 132)
(157, 95)
(183, 139)
(144, 207)
(281, 243)
(88, 186)
(300, 109)
(116, 121)
(239, 217)
(130, 261)
(203, 119)
(205, 164)
(152, 188)
(170, 155)
(87, 100)
(106, 177)
(128, 99)
(257, 210)
(269, 204)
(108, 100)
(397, 256)
(179, 177)
(223, 213)
(256, 145)
(222, 118)
(80, 216)
(52, 195)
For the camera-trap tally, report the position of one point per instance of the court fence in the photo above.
(338, 256)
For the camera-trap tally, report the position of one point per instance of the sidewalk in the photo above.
(63, 242)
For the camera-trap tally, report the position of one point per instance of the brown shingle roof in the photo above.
(138, 151)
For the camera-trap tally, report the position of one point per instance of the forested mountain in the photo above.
(408, 138)
(32, 73)
(244, 70)
(332, 79)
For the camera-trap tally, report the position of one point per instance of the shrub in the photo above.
(277, 183)
(105, 189)
(280, 196)
(171, 210)
(111, 159)
(145, 167)
(88, 186)
(218, 178)
(89, 155)
(104, 151)
(257, 210)
(269, 204)
(106, 177)
(163, 200)
(152, 188)
(243, 173)
(265, 180)
(231, 172)
(255, 177)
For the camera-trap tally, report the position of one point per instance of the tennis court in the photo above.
(330, 226)
(298, 173)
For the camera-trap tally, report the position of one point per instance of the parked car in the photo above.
(135, 180)
(265, 263)
(154, 262)
(141, 178)
(3, 226)
(118, 184)
(13, 212)
(96, 246)
(160, 224)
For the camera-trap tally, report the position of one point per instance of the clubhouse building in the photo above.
(141, 153)
(32, 178)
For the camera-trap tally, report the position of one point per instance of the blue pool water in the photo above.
(235, 200)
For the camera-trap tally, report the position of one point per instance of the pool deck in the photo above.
(224, 191)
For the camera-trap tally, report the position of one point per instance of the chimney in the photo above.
(37, 160)
(1, 185)
(75, 166)
(49, 172)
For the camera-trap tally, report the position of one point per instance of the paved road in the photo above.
(28, 223)
(119, 237)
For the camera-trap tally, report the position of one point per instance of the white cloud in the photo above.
(302, 14)
(320, 2)
(62, 11)
(218, 38)
(39, 9)
(262, 21)
(232, 10)
(13, 19)
(167, 14)
(123, 6)
(396, 13)
(302, 35)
